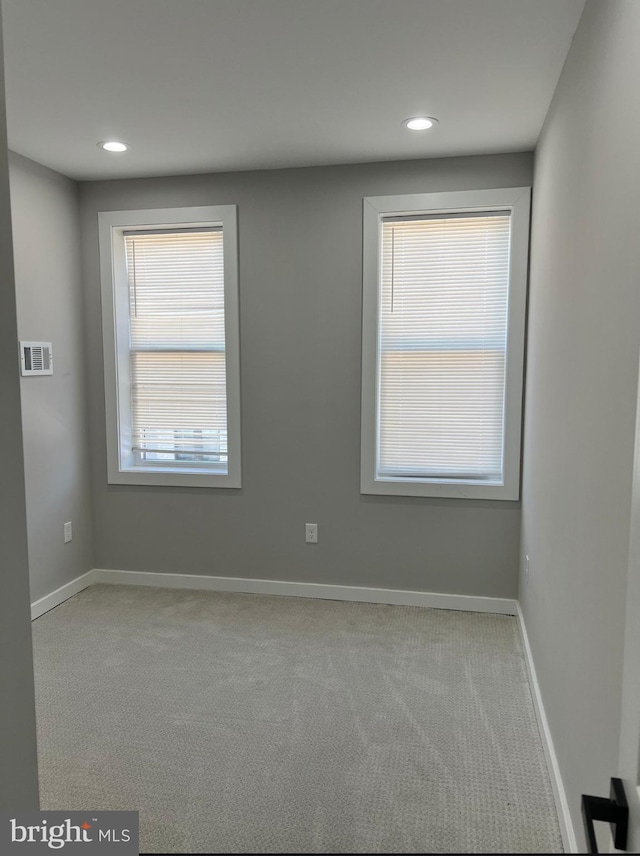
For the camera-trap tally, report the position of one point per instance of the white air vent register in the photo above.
(36, 358)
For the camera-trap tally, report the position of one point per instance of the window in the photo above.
(443, 338)
(171, 346)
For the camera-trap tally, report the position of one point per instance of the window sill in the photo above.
(173, 478)
(445, 489)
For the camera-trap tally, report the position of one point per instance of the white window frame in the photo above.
(121, 467)
(518, 201)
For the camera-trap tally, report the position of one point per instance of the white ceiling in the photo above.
(207, 85)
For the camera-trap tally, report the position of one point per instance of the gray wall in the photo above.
(18, 766)
(584, 339)
(300, 295)
(46, 240)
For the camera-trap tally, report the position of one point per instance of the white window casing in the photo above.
(444, 304)
(171, 346)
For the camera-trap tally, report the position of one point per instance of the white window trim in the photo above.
(115, 331)
(518, 201)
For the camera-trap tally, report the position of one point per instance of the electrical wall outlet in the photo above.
(68, 532)
(311, 533)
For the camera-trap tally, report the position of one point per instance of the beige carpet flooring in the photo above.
(248, 723)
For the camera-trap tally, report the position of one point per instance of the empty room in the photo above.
(319, 349)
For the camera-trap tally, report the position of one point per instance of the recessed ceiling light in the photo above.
(420, 123)
(113, 146)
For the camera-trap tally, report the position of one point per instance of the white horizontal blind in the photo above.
(177, 347)
(443, 306)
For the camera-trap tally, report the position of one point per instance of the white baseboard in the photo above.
(39, 607)
(362, 594)
(562, 806)
(504, 606)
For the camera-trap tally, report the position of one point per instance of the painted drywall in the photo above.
(300, 236)
(18, 764)
(584, 340)
(46, 240)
